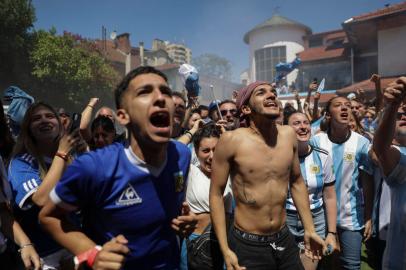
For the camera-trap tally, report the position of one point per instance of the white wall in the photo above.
(291, 37)
(392, 51)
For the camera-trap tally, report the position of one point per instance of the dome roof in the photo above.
(276, 21)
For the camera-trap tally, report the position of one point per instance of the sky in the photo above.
(205, 26)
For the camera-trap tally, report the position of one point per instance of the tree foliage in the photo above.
(16, 20)
(213, 65)
(63, 70)
(71, 67)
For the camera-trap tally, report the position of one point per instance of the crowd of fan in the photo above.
(351, 151)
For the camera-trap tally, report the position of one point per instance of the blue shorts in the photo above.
(296, 227)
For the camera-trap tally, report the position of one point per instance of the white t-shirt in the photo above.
(197, 193)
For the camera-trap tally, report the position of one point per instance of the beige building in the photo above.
(179, 53)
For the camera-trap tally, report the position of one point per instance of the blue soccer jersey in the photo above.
(119, 194)
(24, 177)
(317, 171)
(348, 157)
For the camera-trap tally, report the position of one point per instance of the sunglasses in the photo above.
(399, 115)
(233, 112)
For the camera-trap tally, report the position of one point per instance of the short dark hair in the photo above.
(330, 101)
(104, 122)
(227, 101)
(288, 111)
(123, 85)
(203, 107)
(207, 131)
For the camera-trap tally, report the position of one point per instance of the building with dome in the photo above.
(278, 39)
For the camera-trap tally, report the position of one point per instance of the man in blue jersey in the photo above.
(131, 197)
(354, 184)
(393, 163)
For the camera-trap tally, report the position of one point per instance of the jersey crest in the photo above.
(129, 197)
(314, 169)
(349, 156)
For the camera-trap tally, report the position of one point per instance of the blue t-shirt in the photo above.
(24, 177)
(120, 194)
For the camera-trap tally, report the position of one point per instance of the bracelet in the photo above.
(187, 132)
(333, 233)
(91, 106)
(24, 246)
(88, 256)
(62, 155)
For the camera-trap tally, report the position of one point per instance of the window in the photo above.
(265, 61)
(315, 42)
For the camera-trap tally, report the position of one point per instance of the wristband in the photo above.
(90, 106)
(189, 133)
(92, 256)
(62, 155)
(88, 256)
(333, 233)
(24, 246)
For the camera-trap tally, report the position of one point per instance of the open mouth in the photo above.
(45, 128)
(208, 166)
(402, 124)
(160, 119)
(344, 115)
(271, 104)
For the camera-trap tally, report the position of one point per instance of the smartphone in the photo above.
(76, 117)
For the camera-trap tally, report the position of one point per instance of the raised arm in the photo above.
(378, 93)
(316, 99)
(297, 98)
(388, 156)
(58, 166)
(86, 119)
(312, 87)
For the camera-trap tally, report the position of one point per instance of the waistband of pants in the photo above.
(315, 210)
(261, 238)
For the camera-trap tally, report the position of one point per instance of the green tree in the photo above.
(70, 70)
(16, 21)
(213, 65)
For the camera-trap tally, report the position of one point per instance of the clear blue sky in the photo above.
(206, 26)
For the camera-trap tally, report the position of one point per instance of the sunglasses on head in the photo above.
(233, 112)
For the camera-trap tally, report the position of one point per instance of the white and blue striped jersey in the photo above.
(348, 157)
(317, 171)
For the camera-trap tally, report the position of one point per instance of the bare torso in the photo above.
(260, 175)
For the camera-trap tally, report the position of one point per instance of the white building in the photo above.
(276, 40)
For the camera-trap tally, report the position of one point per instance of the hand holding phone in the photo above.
(76, 118)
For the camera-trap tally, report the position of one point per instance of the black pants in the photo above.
(259, 252)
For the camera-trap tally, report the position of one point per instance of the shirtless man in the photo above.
(262, 161)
